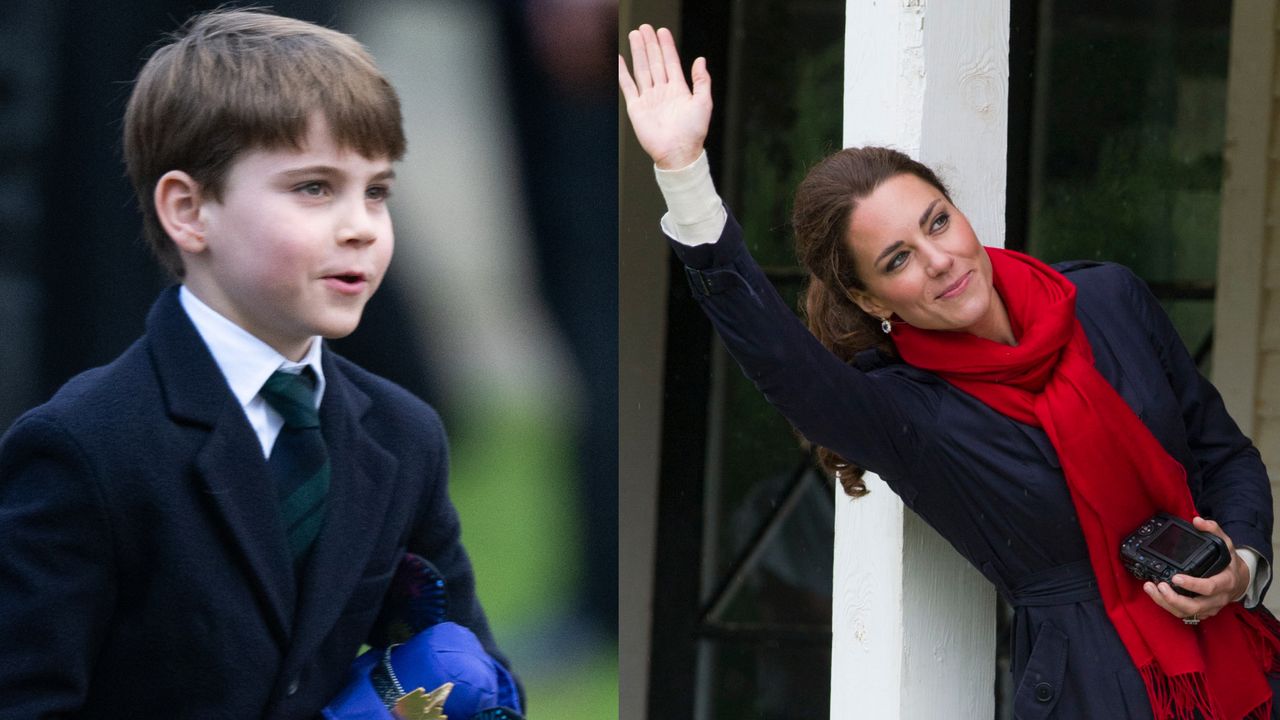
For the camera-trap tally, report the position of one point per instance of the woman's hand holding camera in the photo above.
(1215, 591)
(669, 119)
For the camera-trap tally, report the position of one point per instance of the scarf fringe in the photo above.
(1177, 697)
(1185, 696)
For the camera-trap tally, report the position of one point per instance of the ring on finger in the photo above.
(1191, 620)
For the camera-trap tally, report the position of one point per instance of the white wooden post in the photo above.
(914, 625)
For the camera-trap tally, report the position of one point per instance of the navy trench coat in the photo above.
(991, 486)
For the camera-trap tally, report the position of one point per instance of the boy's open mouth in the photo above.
(347, 282)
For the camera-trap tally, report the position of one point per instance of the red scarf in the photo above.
(1118, 475)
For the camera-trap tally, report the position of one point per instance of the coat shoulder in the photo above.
(390, 402)
(1106, 283)
(113, 399)
(1094, 273)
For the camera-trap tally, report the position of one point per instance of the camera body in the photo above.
(1166, 545)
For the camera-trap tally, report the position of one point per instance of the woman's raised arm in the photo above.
(668, 118)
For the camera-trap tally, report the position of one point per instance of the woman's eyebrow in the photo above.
(892, 248)
(924, 219)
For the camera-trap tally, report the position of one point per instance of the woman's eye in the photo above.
(897, 260)
(941, 221)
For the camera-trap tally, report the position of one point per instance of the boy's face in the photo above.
(298, 243)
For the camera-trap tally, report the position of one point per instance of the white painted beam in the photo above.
(914, 625)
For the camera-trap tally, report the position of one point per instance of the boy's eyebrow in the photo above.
(329, 170)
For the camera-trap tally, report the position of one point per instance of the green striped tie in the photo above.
(299, 463)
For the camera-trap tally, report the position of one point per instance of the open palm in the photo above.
(669, 119)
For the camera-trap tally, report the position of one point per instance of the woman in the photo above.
(1034, 416)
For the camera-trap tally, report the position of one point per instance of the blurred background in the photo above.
(500, 308)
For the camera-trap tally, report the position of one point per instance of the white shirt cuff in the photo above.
(695, 213)
(1259, 576)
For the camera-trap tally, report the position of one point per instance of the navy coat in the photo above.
(992, 486)
(143, 569)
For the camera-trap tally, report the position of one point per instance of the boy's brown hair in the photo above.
(237, 80)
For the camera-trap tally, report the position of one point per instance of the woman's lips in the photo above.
(957, 287)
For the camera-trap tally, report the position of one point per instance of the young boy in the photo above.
(182, 534)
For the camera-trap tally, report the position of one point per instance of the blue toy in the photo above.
(422, 667)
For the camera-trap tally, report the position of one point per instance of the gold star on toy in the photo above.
(423, 705)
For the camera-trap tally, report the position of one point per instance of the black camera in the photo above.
(1165, 546)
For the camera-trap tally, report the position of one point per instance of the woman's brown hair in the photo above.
(824, 205)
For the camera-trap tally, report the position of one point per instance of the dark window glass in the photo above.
(765, 632)
(1126, 152)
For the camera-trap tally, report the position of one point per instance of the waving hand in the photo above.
(669, 119)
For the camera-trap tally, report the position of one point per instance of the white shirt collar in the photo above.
(245, 361)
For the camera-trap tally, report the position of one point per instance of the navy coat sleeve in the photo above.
(437, 535)
(432, 527)
(58, 588)
(1229, 481)
(863, 417)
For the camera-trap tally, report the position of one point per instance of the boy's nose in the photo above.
(358, 227)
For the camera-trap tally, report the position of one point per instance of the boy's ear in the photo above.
(178, 198)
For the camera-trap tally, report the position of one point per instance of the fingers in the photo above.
(670, 58)
(655, 60)
(701, 78)
(625, 82)
(653, 50)
(1199, 586)
(1210, 526)
(1179, 605)
(1219, 589)
(640, 59)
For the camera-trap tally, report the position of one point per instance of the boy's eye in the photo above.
(940, 221)
(312, 189)
(378, 192)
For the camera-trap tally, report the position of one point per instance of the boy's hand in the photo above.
(669, 120)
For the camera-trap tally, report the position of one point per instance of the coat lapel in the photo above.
(360, 491)
(229, 464)
(244, 497)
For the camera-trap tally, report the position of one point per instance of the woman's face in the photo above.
(919, 259)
